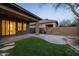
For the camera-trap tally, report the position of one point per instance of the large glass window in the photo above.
(3, 27)
(24, 27)
(12, 28)
(19, 26)
(8, 27)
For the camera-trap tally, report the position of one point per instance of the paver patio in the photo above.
(50, 38)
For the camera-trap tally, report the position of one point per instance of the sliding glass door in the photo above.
(3, 28)
(8, 27)
(12, 27)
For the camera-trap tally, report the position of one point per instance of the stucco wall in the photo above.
(71, 31)
(43, 25)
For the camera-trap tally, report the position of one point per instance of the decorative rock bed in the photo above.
(73, 42)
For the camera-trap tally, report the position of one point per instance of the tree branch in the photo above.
(73, 9)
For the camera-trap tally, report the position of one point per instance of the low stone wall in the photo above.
(71, 31)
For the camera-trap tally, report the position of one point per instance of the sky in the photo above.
(47, 12)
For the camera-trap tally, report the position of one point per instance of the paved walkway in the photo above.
(50, 38)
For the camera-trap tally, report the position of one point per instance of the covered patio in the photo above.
(14, 20)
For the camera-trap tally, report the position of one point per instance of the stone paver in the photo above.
(10, 44)
(6, 48)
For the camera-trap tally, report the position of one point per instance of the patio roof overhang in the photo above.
(16, 11)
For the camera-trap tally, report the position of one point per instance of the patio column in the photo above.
(37, 28)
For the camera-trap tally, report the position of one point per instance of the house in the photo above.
(43, 25)
(15, 20)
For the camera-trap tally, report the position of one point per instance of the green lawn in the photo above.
(37, 47)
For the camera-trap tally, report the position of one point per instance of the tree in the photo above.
(65, 23)
(72, 6)
(68, 23)
(75, 22)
